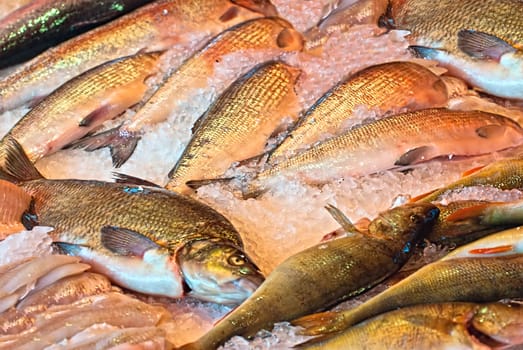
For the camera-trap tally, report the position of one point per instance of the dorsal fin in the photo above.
(16, 166)
(132, 180)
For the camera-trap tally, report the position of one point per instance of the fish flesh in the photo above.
(42, 24)
(399, 140)
(82, 105)
(270, 35)
(386, 86)
(238, 124)
(146, 239)
(326, 273)
(153, 27)
(477, 41)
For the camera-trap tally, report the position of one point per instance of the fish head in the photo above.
(218, 272)
(500, 322)
(264, 7)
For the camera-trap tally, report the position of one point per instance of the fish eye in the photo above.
(236, 260)
(415, 219)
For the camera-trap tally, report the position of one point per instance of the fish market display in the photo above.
(44, 23)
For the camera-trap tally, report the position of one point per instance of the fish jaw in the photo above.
(218, 272)
(500, 322)
(153, 274)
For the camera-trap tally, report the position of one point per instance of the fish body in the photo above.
(323, 274)
(154, 27)
(41, 24)
(399, 140)
(385, 86)
(83, 104)
(238, 124)
(478, 41)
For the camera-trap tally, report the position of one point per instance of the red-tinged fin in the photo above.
(422, 196)
(231, 13)
(341, 218)
(96, 115)
(16, 167)
(14, 202)
(265, 7)
(132, 180)
(493, 250)
(126, 242)
(476, 211)
(491, 131)
(316, 324)
(290, 39)
(472, 171)
(424, 52)
(415, 155)
(481, 45)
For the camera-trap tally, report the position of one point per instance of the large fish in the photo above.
(41, 24)
(154, 27)
(478, 41)
(238, 124)
(82, 105)
(434, 326)
(384, 86)
(144, 238)
(399, 140)
(266, 36)
(326, 273)
(477, 272)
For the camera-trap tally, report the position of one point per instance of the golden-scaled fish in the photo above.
(434, 326)
(478, 41)
(82, 105)
(143, 238)
(238, 124)
(31, 29)
(477, 272)
(326, 273)
(399, 140)
(504, 174)
(384, 86)
(153, 27)
(268, 35)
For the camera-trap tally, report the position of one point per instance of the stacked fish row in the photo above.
(160, 242)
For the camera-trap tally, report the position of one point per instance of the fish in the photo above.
(479, 42)
(153, 27)
(434, 326)
(326, 273)
(268, 35)
(238, 124)
(503, 174)
(82, 105)
(400, 140)
(146, 239)
(469, 273)
(32, 29)
(385, 86)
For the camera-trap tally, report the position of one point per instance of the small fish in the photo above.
(153, 27)
(475, 277)
(42, 24)
(433, 326)
(400, 140)
(238, 124)
(146, 239)
(326, 273)
(504, 174)
(384, 86)
(264, 35)
(82, 105)
(477, 41)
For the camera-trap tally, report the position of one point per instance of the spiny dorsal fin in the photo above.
(16, 165)
(341, 218)
(132, 180)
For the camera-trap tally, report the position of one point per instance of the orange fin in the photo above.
(493, 250)
(472, 171)
(13, 204)
(467, 213)
(319, 323)
(422, 196)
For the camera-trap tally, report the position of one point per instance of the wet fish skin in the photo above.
(326, 273)
(384, 86)
(82, 105)
(501, 322)
(41, 24)
(238, 124)
(153, 27)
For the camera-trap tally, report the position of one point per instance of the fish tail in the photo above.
(120, 142)
(14, 204)
(320, 323)
(15, 165)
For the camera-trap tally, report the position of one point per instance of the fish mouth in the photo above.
(231, 292)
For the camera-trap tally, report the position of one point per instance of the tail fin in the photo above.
(15, 165)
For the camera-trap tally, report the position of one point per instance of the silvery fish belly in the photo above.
(478, 41)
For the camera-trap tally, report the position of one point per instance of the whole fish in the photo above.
(478, 41)
(153, 27)
(263, 35)
(238, 124)
(82, 105)
(434, 326)
(146, 239)
(326, 273)
(472, 273)
(504, 174)
(399, 140)
(41, 24)
(384, 86)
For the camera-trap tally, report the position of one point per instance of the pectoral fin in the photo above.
(126, 242)
(482, 45)
(231, 13)
(491, 131)
(493, 250)
(424, 52)
(475, 211)
(415, 155)
(472, 171)
(98, 114)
